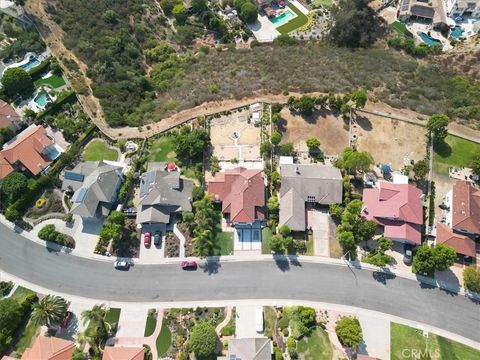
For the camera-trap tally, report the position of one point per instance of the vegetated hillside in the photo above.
(397, 79)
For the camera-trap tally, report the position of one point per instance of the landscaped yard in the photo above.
(405, 337)
(328, 4)
(225, 241)
(164, 339)
(300, 20)
(317, 346)
(455, 152)
(400, 27)
(54, 81)
(21, 294)
(151, 322)
(113, 315)
(266, 237)
(29, 332)
(98, 150)
(162, 150)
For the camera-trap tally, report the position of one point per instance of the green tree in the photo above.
(275, 178)
(284, 40)
(203, 340)
(277, 244)
(272, 203)
(189, 145)
(199, 6)
(313, 143)
(13, 185)
(16, 81)
(98, 329)
(475, 165)
(179, 13)
(354, 24)
(444, 256)
(471, 278)
(168, 5)
(286, 149)
(117, 217)
(384, 243)
(284, 230)
(359, 98)
(423, 261)
(357, 161)
(438, 127)
(365, 230)
(305, 105)
(266, 149)
(336, 211)
(214, 165)
(10, 318)
(421, 169)
(348, 244)
(49, 311)
(248, 12)
(349, 331)
(276, 138)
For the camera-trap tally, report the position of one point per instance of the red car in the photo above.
(66, 319)
(147, 239)
(281, 3)
(189, 265)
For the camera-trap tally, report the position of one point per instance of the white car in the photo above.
(259, 320)
(121, 265)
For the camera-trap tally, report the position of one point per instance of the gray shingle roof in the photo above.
(250, 349)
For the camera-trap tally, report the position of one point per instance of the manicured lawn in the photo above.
(266, 237)
(164, 339)
(225, 241)
(54, 81)
(327, 4)
(317, 346)
(21, 294)
(151, 323)
(162, 149)
(113, 315)
(98, 150)
(455, 152)
(400, 27)
(29, 332)
(405, 337)
(300, 20)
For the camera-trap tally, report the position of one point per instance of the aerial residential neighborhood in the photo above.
(239, 179)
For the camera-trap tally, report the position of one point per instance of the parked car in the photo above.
(407, 254)
(121, 265)
(157, 237)
(147, 239)
(189, 265)
(66, 319)
(259, 320)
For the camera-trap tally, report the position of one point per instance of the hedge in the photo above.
(62, 98)
(34, 72)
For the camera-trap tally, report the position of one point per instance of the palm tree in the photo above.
(49, 311)
(98, 328)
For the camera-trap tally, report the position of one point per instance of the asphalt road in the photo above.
(237, 281)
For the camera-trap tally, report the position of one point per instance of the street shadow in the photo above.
(212, 265)
(282, 262)
(383, 276)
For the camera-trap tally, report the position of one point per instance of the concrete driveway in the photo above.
(245, 322)
(132, 323)
(154, 251)
(319, 222)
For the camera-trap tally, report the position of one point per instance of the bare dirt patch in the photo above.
(324, 125)
(390, 141)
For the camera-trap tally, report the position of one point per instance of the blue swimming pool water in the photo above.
(42, 99)
(30, 64)
(283, 18)
(428, 40)
(456, 32)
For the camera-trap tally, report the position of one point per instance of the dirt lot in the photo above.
(324, 125)
(223, 131)
(390, 141)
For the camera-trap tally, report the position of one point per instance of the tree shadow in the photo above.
(294, 261)
(383, 276)
(212, 265)
(442, 149)
(282, 125)
(282, 262)
(364, 122)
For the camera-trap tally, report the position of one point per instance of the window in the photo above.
(311, 199)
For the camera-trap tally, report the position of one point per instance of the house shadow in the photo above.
(212, 265)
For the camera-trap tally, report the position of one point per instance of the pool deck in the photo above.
(263, 29)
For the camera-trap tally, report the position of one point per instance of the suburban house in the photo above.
(163, 193)
(94, 185)
(250, 348)
(9, 119)
(47, 348)
(306, 184)
(31, 150)
(123, 353)
(469, 8)
(398, 209)
(242, 194)
(428, 11)
(462, 219)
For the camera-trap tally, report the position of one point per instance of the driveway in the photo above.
(131, 323)
(245, 322)
(376, 336)
(319, 222)
(154, 251)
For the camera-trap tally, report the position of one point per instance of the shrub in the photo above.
(349, 332)
(48, 233)
(5, 287)
(471, 278)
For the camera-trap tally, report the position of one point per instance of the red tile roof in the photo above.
(26, 149)
(8, 115)
(466, 207)
(398, 207)
(49, 348)
(123, 353)
(242, 193)
(462, 244)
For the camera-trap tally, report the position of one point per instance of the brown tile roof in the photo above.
(462, 244)
(49, 348)
(242, 193)
(26, 148)
(466, 207)
(123, 353)
(8, 115)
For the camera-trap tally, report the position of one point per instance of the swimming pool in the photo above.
(429, 40)
(42, 99)
(456, 32)
(32, 62)
(283, 18)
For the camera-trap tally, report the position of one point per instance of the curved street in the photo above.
(236, 281)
